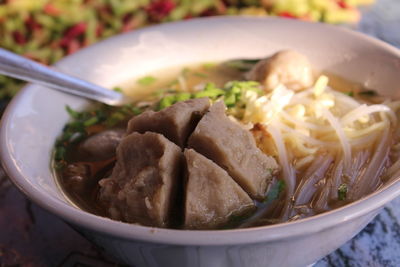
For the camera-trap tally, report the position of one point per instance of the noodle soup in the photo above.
(324, 143)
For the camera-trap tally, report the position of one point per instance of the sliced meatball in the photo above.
(175, 122)
(102, 145)
(234, 149)
(143, 184)
(212, 196)
(287, 67)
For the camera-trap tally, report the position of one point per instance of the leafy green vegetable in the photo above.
(147, 80)
(235, 219)
(350, 93)
(91, 121)
(242, 64)
(60, 153)
(78, 128)
(135, 110)
(275, 191)
(368, 93)
(115, 118)
(342, 191)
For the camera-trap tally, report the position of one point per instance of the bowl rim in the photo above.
(125, 231)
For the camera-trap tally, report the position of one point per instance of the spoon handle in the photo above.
(25, 69)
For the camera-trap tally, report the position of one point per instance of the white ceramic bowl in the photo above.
(36, 116)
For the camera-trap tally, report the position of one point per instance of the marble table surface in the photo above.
(30, 236)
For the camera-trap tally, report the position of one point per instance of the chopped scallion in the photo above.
(211, 91)
(147, 80)
(91, 121)
(166, 101)
(74, 114)
(241, 64)
(183, 96)
(115, 118)
(60, 153)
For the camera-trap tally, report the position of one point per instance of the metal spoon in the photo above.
(25, 69)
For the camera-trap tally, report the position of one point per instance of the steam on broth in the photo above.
(321, 142)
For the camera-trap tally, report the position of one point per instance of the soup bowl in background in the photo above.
(36, 116)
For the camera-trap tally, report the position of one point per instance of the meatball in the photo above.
(287, 67)
(102, 145)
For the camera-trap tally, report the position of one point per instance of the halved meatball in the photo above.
(175, 122)
(212, 197)
(143, 185)
(234, 149)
